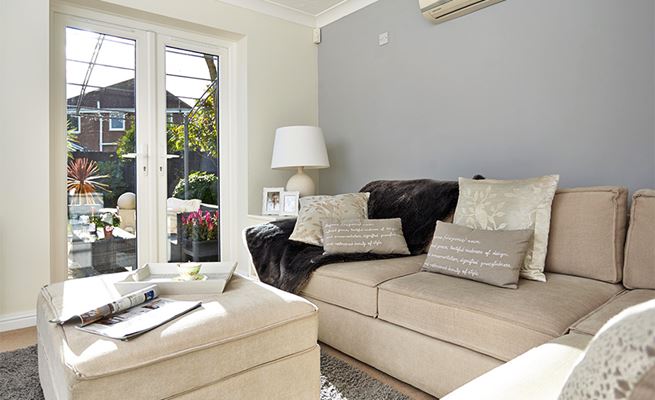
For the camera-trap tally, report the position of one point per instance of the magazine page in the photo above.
(129, 300)
(137, 320)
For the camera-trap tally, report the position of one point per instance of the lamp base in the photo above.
(302, 183)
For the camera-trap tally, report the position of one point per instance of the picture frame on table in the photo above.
(271, 200)
(289, 204)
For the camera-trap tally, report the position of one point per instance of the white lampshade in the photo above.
(299, 146)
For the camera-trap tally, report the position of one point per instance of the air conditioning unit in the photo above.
(444, 10)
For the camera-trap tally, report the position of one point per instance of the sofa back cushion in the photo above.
(639, 272)
(587, 232)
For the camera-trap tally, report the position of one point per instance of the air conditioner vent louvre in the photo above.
(444, 10)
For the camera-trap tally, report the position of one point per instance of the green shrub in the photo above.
(116, 181)
(127, 142)
(202, 185)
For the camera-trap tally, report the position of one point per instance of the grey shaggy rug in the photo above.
(19, 375)
(19, 379)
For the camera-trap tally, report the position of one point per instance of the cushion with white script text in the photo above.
(493, 257)
(377, 236)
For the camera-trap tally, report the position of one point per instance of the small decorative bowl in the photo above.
(188, 271)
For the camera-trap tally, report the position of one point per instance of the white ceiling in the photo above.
(312, 7)
(315, 13)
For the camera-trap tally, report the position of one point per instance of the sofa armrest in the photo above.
(538, 374)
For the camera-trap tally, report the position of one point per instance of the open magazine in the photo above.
(131, 315)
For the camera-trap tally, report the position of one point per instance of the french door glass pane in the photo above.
(193, 168)
(101, 137)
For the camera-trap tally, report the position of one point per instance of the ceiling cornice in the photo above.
(328, 16)
(341, 10)
(275, 10)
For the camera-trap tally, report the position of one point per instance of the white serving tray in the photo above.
(166, 277)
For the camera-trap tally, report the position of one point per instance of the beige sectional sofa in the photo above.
(438, 332)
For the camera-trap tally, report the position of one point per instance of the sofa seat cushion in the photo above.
(538, 374)
(249, 325)
(353, 285)
(592, 323)
(498, 322)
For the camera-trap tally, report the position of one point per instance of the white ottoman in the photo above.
(251, 342)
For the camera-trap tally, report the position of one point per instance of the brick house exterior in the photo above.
(102, 112)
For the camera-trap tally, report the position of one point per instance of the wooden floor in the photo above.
(13, 340)
(18, 339)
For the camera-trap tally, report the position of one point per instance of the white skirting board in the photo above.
(12, 322)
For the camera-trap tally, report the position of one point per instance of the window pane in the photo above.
(193, 188)
(117, 122)
(101, 184)
(73, 124)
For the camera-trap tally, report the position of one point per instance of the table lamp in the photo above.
(300, 147)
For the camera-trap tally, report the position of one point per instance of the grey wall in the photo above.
(519, 89)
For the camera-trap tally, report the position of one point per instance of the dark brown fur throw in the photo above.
(288, 265)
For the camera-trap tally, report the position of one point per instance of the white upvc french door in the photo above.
(189, 50)
(152, 116)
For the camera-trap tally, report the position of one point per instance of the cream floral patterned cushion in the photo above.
(315, 209)
(620, 361)
(511, 205)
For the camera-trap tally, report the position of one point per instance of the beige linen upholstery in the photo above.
(248, 326)
(538, 374)
(431, 365)
(587, 232)
(268, 381)
(353, 285)
(640, 247)
(494, 321)
(592, 323)
(292, 377)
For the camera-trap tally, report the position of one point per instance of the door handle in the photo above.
(143, 156)
(163, 160)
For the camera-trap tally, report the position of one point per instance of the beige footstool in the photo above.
(251, 342)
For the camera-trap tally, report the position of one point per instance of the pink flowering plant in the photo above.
(201, 225)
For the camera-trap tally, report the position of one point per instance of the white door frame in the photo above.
(192, 44)
(151, 201)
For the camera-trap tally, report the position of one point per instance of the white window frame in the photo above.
(151, 207)
(116, 117)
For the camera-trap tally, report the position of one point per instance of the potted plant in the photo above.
(84, 184)
(201, 234)
(107, 222)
